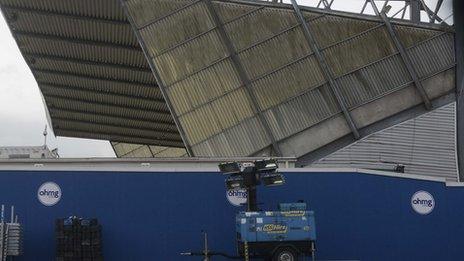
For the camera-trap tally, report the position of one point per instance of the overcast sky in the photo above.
(22, 113)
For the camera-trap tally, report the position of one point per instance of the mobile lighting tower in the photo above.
(283, 235)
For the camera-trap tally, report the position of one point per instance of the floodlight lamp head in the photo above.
(272, 179)
(230, 168)
(234, 182)
(248, 167)
(266, 165)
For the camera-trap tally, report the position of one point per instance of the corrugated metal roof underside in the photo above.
(125, 150)
(424, 145)
(214, 106)
(92, 73)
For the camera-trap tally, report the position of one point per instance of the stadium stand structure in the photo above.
(233, 78)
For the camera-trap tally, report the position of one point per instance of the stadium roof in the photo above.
(240, 77)
(91, 71)
(252, 78)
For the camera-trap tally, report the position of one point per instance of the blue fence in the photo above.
(155, 216)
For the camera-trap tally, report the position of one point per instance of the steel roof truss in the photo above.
(325, 69)
(242, 74)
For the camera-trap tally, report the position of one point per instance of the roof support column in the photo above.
(158, 78)
(311, 39)
(414, 12)
(458, 11)
(404, 56)
(242, 74)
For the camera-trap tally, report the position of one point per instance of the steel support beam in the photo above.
(186, 41)
(114, 144)
(11, 8)
(56, 96)
(437, 9)
(125, 130)
(31, 55)
(276, 35)
(115, 137)
(151, 151)
(61, 73)
(55, 109)
(96, 93)
(310, 38)
(158, 131)
(156, 20)
(158, 78)
(413, 112)
(404, 57)
(242, 74)
(128, 135)
(458, 10)
(75, 40)
(414, 10)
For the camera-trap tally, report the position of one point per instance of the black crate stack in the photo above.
(78, 239)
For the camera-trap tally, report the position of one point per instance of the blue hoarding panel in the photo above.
(155, 216)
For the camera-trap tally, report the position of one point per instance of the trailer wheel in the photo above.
(285, 254)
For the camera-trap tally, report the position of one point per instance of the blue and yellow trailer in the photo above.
(278, 235)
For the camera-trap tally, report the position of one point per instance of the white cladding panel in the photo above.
(28, 152)
(424, 145)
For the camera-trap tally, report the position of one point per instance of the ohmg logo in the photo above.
(237, 197)
(49, 193)
(422, 202)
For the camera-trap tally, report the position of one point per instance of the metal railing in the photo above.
(10, 236)
(417, 11)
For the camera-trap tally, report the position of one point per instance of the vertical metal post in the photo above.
(252, 197)
(160, 82)
(250, 181)
(310, 38)
(458, 10)
(313, 251)
(12, 215)
(404, 57)
(205, 251)
(242, 74)
(414, 10)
